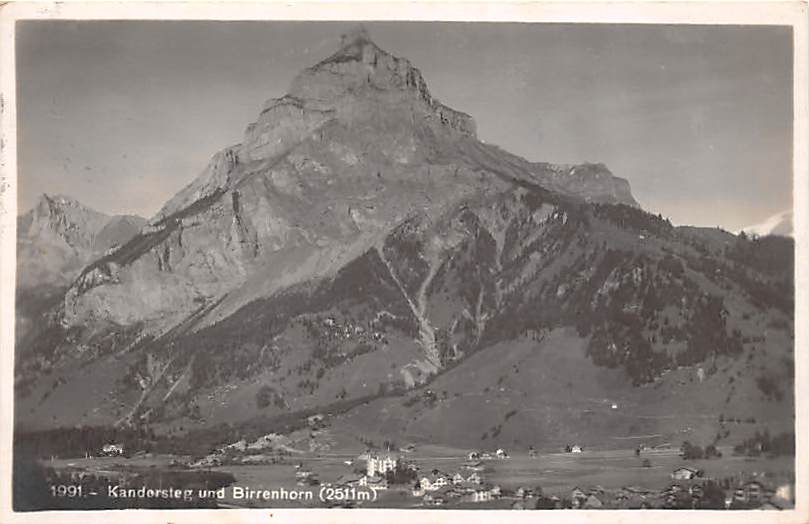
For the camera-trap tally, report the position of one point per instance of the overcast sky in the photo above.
(121, 115)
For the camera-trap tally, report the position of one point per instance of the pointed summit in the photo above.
(360, 71)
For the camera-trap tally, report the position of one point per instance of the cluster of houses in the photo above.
(376, 469)
(434, 487)
(682, 494)
(689, 488)
(755, 494)
(750, 494)
(485, 455)
(437, 488)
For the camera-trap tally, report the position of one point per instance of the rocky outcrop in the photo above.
(59, 235)
(359, 67)
(591, 182)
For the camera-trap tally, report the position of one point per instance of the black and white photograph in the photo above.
(410, 265)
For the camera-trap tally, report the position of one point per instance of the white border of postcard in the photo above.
(791, 13)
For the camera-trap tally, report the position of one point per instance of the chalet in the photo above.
(112, 450)
(576, 449)
(685, 473)
(578, 497)
(478, 495)
(440, 497)
(501, 454)
(474, 478)
(753, 492)
(522, 492)
(458, 478)
(434, 481)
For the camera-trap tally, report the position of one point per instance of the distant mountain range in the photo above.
(362, 253)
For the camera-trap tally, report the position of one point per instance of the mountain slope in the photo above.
(662, 321)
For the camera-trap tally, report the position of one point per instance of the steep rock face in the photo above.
(357, 145)
(349, 152)
(359, 67)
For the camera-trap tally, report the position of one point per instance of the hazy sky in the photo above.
(121, 115)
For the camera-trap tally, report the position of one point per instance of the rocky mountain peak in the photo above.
(361, 69)
(360, 86)
(357, 145)
(47, 204)
(59, 234)
(62, 217)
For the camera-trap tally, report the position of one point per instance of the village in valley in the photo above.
(272, 472)
(470, 485)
